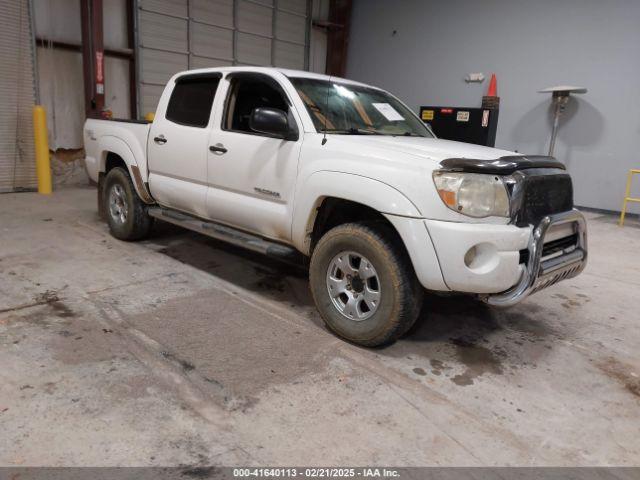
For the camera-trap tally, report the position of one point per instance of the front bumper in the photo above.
(541, 272)
(505, 263)
(479, 257)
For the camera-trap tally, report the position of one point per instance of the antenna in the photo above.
(326, 112)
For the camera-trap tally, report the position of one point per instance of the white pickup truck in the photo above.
(291, 163)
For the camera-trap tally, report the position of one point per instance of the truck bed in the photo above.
(129, 135)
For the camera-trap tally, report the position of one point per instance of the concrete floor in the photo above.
(181, 350)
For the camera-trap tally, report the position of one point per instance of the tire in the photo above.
(351, 311)
(126, 214)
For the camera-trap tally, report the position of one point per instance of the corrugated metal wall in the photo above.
(175, 35)
(17, 162)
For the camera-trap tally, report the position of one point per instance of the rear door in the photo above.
(178, 143)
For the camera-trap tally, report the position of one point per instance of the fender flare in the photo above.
(347, 186)
(111, 144)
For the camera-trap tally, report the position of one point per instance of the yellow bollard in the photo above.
(43, 163)
(150, 117)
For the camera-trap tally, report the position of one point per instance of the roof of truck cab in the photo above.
(285, 71)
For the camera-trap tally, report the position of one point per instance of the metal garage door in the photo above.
(17, 160)
(176, 35)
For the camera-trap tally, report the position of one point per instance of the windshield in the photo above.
(341, 108)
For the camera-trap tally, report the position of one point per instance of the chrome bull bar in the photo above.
(540, 274)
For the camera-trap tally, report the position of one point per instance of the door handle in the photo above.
(160, 140)
(219, 148)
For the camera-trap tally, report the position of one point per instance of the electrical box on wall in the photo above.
(470, 125)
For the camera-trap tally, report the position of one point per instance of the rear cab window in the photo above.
(192, 98)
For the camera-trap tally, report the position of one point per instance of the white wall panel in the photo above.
(296, 6)
(291, 28)
(177, 8)
(62, 95)
(210, 41)
(149, 98)
(217, 33)
(114, 20)
(254, 18)
(204, 62)
(289, 55)
(57, 20)
(252, 50)
(116, 86)
(158, 66)
(163, 32)
(318, 41)
(215, 12)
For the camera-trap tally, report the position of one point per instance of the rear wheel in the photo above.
(126, 214)
(364, 285)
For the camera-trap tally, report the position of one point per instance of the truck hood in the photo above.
(425, 148)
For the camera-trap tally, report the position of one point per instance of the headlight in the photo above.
(473, 194)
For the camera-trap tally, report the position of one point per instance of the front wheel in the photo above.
(364, 285)
(126, 214)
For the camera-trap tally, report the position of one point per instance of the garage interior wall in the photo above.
(530, 46)
(172, 36)
(17, 163)
(318, 47)
(60, 69)
(175, 35)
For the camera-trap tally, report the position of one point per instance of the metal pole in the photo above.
(189, 42)
(307, 35)
(556, 123)
(235, 33)
(133, 59)
(138, 57)
(274, 12)
(92, 56)
(34, 53)
(87, 57)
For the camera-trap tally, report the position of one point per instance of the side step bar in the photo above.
(272, 249)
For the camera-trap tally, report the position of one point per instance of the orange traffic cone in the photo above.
(491, 99)
(493, 86)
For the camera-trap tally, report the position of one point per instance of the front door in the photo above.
(178, 144)
(251, 175)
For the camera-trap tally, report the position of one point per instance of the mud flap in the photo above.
(101, 211)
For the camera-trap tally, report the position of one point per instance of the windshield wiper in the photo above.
(354, 131)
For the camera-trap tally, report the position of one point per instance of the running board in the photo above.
(231, 235)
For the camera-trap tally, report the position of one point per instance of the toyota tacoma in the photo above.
(295, 164)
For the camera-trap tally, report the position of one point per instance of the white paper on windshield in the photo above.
(389, 112)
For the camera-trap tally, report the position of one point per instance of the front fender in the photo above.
(357, 188)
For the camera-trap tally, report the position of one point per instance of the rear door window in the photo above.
(191, 100)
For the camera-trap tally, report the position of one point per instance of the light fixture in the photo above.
(560, 98)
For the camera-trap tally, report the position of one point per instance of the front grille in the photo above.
(543, 195)
(551, 247)
(559, 245)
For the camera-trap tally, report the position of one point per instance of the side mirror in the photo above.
(270, 121)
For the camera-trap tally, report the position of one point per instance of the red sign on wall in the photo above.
(99, 69)
(99, 72)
